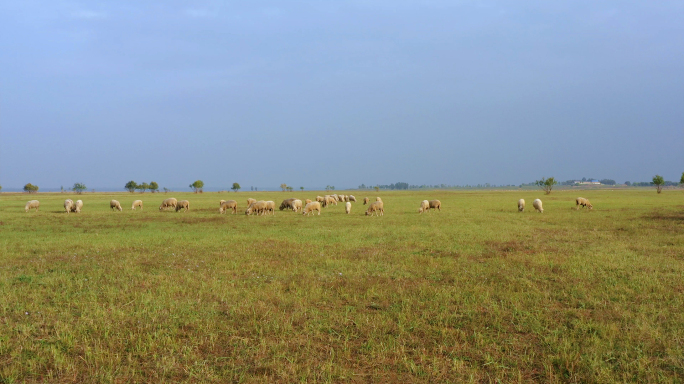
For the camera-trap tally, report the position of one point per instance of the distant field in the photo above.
(475, 293)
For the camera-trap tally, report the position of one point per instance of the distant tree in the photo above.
(302, 188)
(197, 186)
(289, 189)
(154, 187)
(681, 181)
(166, 190)
(0, 187)
(143, 187)
(607, 182)
(283, 186)
(627, 183)
(546, 184)
(131, 186)
(377, 188)
(30, 188)
(236, 187)
(79, 188)
(658, 181)
(328, 188)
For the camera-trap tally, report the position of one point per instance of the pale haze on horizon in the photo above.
(339, 93)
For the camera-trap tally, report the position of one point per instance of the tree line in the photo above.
(545, 184)
(131, 186)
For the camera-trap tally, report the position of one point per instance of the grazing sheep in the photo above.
(583, 202)
(77, 206)
(327, 200)
(257, 207)
(352, 198)
(347, 207)
(307, 201)
(171, 202)
(366, 200)
(136, 204)
(297, 205)
(250, 201)
(521, 205)
(115, 205)
(313, 206)
(336, 197)
(320, 199)
(270, 207)
(68, 205)
(287, 203)
(32, 204)
(230, 204)
(183, 204)
(424, 206)
(436, 204)
(221, 202)
(378, 199)
(377, 208)
(537, 204)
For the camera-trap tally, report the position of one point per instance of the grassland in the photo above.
(475, 293)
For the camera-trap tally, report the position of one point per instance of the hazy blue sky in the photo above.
(339, 92)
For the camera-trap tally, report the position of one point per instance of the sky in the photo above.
(316, 93)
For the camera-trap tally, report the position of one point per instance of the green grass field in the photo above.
(475, 293)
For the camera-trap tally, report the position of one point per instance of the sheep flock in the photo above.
(306, 208)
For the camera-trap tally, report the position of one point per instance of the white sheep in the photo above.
(136, 204)
(32, 204)
(250, 201)
(171, 202)
(366, 200)
(230, 204)
(424, 206)
(258, 207)
(68, 205)
(307, 201)
(436, 204)
(77, 206)
(378, 199)
(347, 207)
(537, 204)
(297, 205)
(376, 208)
(183, 204)
(313, 206)
(270, 207)
(329, 199)
(114, 204)
(352, 198)
(583, 202)
(521, 205)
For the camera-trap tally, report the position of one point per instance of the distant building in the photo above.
(588, 182)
